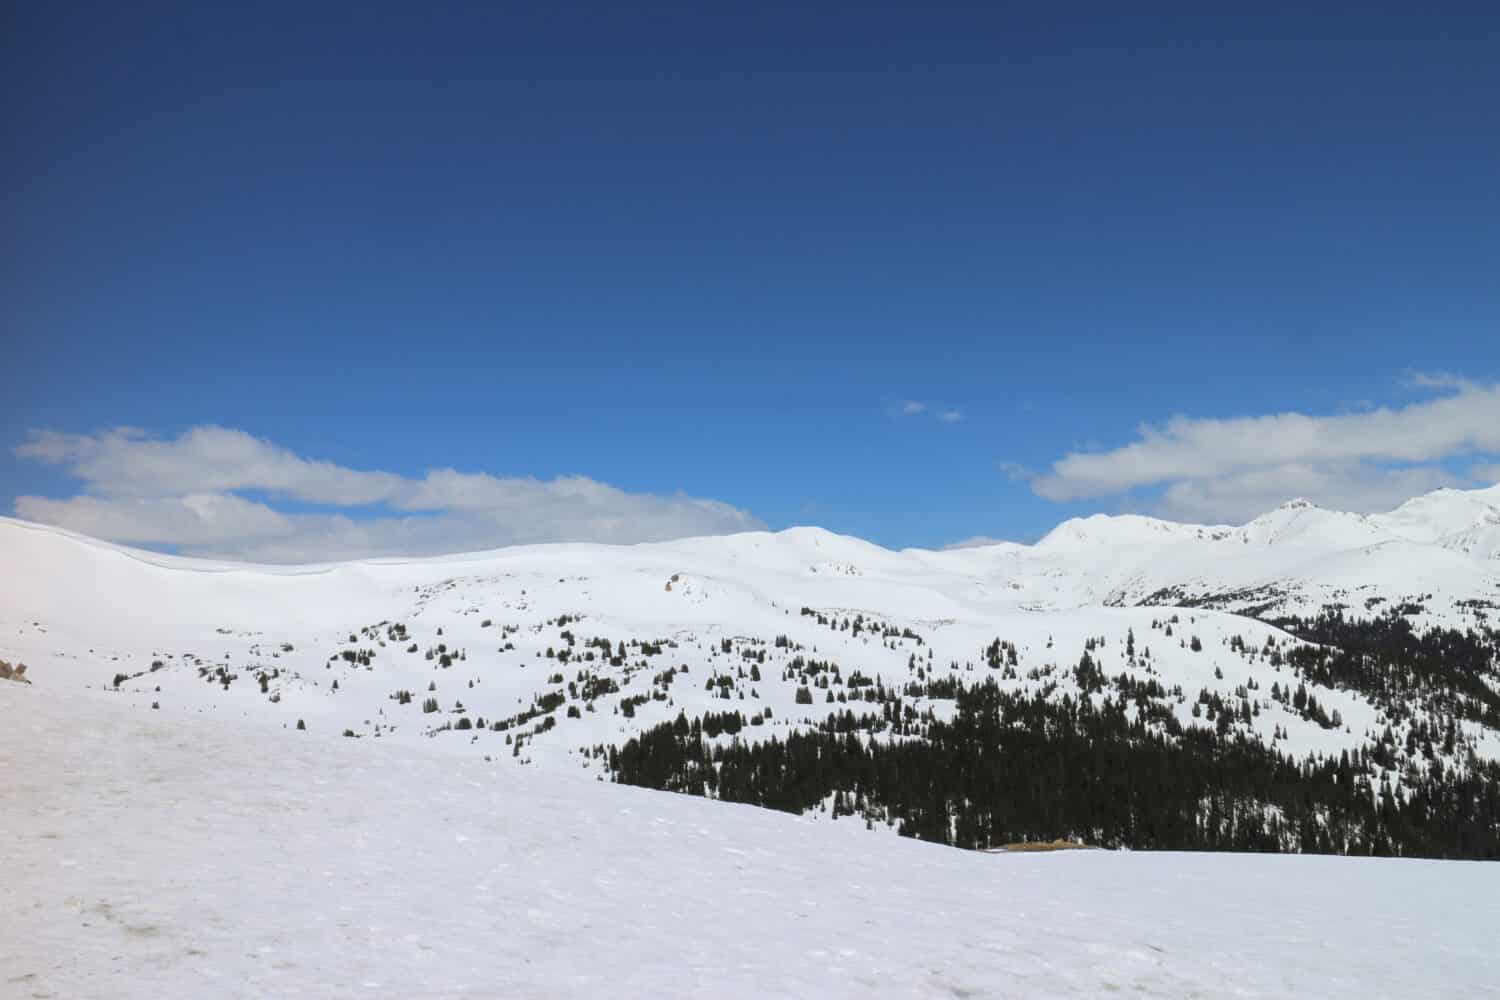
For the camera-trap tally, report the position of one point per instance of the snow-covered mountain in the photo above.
(484, 635)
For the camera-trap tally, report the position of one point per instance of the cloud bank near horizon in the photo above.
(188, 493)
(1231, 470)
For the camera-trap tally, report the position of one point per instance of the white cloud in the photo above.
(1356, 460)
(197, 519)
(126, 463)
(183, 492)
(915, 407)
(1441, 381)
(1485, 475)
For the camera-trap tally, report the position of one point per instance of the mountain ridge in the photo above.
(1428, 518)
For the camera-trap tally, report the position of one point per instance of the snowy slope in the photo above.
(1442, 513)
(147, 856)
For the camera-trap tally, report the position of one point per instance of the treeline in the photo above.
(1013, 767)
(1442, 673)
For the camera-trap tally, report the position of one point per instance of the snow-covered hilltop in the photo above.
(1299, 548)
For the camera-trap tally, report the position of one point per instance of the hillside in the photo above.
(1353, 656)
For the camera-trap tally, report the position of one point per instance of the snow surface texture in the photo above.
(151, 857)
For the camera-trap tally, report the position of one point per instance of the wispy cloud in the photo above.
(1441, 381)
(186, 492)
(916, 407)
(1230, 468)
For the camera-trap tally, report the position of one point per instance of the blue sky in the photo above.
(684, 254)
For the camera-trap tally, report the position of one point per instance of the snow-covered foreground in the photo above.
(176, 857)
